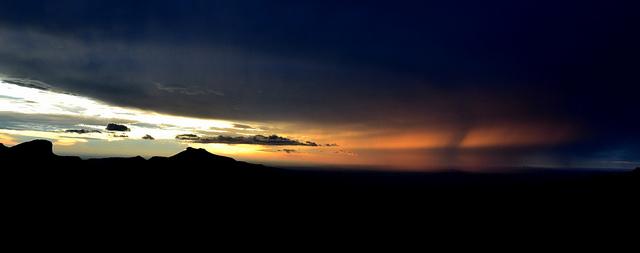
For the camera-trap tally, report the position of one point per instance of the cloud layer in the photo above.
(385, 75)
(272, 140)
(27, 108)
(117, 127)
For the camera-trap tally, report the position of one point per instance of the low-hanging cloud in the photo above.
(272, 140)
(243, 126)
(117, 127)
(82, 131)
(115, 135)
(28, 83)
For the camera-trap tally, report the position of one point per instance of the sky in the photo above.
(374, 84)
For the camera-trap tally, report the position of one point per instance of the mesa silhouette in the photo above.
(39, 155)
(196, 172)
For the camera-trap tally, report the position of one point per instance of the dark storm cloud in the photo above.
(28, 83)
(187, 137)
(384, 63)
(242, 126)
(189, 91)
(117, 127)
(81, 131)
(272, 140)
(269, 59)
(10, 120)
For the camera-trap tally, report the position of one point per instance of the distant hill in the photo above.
(195, 155)
(38, 154)
(37, 151)
(198, 175)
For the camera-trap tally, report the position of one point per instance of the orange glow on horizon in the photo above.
(7, 140)
(517, 135)
(405, 149)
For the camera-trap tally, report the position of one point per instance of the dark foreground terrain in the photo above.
(195, 181)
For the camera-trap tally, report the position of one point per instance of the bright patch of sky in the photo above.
(45, 102)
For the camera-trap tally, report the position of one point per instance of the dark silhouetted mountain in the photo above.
(115, 163)
(3, 147)
(36, 151)
(200, 155)
(36, 148)
(41, 151)
(197, 176)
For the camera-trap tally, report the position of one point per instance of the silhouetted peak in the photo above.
(200, 151)
(637, 170)
(199, 154)
(3, 147)
(36, 148)
(136, 159)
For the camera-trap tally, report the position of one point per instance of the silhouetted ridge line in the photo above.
(35, 147)
(198, 176)
(36, 151)
(38, 154)
(198, 155)
(121, 159)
